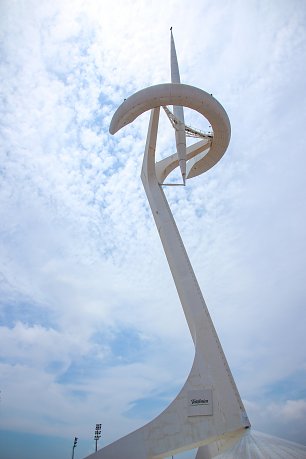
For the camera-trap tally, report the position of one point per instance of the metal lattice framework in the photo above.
(190, 132)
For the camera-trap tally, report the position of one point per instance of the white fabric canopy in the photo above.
(256, 445)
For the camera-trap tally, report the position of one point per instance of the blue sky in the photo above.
(91, 327)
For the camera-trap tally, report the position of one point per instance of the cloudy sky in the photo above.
(91, 328)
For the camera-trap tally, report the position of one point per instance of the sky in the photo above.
(91, 328)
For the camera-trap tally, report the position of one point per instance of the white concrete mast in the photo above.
(178, 111)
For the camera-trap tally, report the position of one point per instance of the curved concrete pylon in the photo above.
(208, 409)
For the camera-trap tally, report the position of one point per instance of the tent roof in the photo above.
(256, 445)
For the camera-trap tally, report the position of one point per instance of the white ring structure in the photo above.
(186, 96)
(182, 426)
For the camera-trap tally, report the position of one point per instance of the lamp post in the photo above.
(74, 445)
(97, 434)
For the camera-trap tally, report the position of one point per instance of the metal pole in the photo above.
(74, 445)
(97, 435)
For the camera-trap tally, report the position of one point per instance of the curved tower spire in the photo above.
(208, 410)
(208, 413)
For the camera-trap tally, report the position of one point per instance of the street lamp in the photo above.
(97, 434)
(74, 445)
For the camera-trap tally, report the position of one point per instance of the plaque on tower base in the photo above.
(200, 403)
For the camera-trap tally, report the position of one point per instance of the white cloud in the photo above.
(294, 410)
